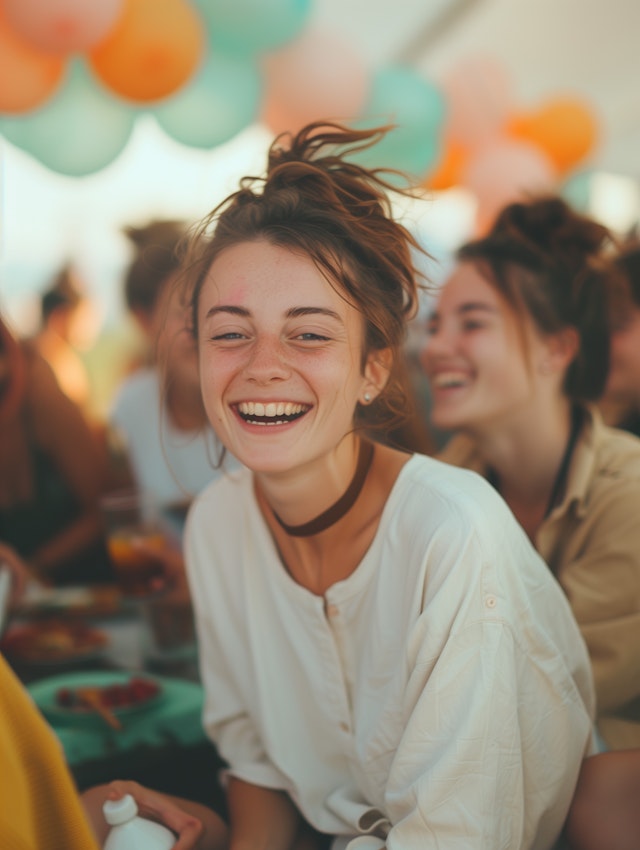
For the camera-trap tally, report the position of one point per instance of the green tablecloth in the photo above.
(172, 718)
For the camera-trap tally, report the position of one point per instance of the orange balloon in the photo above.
(564, 128)
(448, 170)
(152, 51)
(27, 77)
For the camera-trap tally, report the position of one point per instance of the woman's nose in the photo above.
(268, 360)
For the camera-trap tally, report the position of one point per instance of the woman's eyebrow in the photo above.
(471, 306)
(228, 308)
(296, 312)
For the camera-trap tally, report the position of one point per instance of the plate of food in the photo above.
(96, 696)
(53, 641)
(75, 601)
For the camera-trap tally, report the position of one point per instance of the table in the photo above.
(162, 746)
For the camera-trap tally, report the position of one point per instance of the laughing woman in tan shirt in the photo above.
(517, 351)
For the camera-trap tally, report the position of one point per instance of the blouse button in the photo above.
(332, 611)
(344, 727)
(490, 602)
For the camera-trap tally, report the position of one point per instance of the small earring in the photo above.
(367, 398)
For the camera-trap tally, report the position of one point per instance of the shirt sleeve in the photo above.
(222, 636)
(603, 586)
(491, 748)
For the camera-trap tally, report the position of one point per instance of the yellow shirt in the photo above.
(591, 542)
(40, 807)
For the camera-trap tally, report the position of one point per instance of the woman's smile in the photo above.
(271, 412)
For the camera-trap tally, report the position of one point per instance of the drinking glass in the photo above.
(136, 541)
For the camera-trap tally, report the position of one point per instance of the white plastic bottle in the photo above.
(129, 831)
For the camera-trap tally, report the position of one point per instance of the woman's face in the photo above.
(280, 357)
(475, 356)
(624, 371)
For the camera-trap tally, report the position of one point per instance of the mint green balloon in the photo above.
(222, 99)
(78, 131)
(253, 26)
(577, 190)
(401, 97)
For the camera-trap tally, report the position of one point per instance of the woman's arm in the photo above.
(63, 433)
(602, 582)
(261, 818)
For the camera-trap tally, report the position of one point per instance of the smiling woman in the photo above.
(381, 647)
(518, 350)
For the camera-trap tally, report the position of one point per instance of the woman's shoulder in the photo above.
(137, 398)
(434, 494)
(612, 453)
(221, 502)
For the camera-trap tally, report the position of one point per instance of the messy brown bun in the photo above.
(317, 200)
(555, 266)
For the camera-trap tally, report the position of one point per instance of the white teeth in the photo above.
(449, 379)
(272, 409)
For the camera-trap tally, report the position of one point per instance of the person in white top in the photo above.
(385, 657)
(157, 412)
(387, 661)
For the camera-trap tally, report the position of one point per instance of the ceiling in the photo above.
(582, 48)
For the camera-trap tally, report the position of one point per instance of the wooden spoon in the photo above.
(91, 698)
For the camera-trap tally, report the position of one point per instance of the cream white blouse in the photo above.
(439, 697)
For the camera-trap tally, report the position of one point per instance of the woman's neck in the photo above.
(524, 457)
(320, 560)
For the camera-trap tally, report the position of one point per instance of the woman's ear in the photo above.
(376, 373)
(562, 348)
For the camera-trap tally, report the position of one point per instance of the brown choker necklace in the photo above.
(344, 504)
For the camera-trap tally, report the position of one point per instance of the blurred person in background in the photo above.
(621, 401)
(517, 353)
(158, 414)
(52, 472)
(67, 326)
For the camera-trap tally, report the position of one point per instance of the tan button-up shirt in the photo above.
(591, 542)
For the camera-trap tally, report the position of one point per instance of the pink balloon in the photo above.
(504, 172)
(316, 77)
(478, 96)
(62, 26)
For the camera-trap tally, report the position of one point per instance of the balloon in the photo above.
(253, 26)
(62, 26)
(504, 172)
(152, 51)
(221, 101)
(79, 131)
(477, 91)
(577, 190)
(447, 171)
(317, 77)
(564, 128)
(27, 77)
(402, 98)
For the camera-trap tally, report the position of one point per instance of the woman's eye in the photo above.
(309, 336)
(228, 335)
(472, 325)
